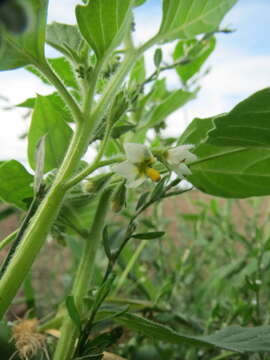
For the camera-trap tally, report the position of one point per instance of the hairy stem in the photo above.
(69, 330)
(63, 92)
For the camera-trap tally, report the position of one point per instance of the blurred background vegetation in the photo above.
(210, 270)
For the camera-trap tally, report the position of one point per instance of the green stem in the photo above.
(8, 239)
(90, 169)
(129, 266)
(83, 278)
(46, 70)
(37, 231)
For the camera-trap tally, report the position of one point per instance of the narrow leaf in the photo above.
(106, 242)
(158, 190)
(149, 235)
(73, 311)
(142, 200)
(233, 338)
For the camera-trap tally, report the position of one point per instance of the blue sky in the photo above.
(240, 66)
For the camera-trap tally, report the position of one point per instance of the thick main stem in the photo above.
(83, 278)
(41, 223)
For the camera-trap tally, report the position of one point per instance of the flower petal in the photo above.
(181, 170)
(137, 153)
(127, 170)
(137, 182)
(179, 154)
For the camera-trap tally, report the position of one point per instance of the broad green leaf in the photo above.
(27, 48)
(184, 19)
(15, 183)
(196, 132)
(54, 98)
(104, 23)
(47, 120)
(233, 338)
(171, 103)
(64, 37)
(198, 53)
(248, 124)
(233, 172)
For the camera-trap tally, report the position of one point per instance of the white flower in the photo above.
(179, 157)
(137, 167)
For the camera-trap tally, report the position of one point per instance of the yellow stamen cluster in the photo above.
(27, 339)
(153, 174)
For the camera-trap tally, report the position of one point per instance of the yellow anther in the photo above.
(153, 174)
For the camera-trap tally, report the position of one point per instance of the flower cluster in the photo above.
(139, 164)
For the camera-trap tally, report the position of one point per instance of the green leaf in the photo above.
(120, 130)
(47, 120)
(54, 98)
(198, 53)
(142, 200)
(232, 172)
(106, 242)
(73, 311)
(138, 73)
(196, 132)
(149, 235)
(171, 103)
(64, 37)
(104, 23)
(139, 2)
(248, 124)
(15, 183)
(158, 189)
(27, 48)
(233, 338)
(185, 19)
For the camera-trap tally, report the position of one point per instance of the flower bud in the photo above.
(96, 183)
(119, 197)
